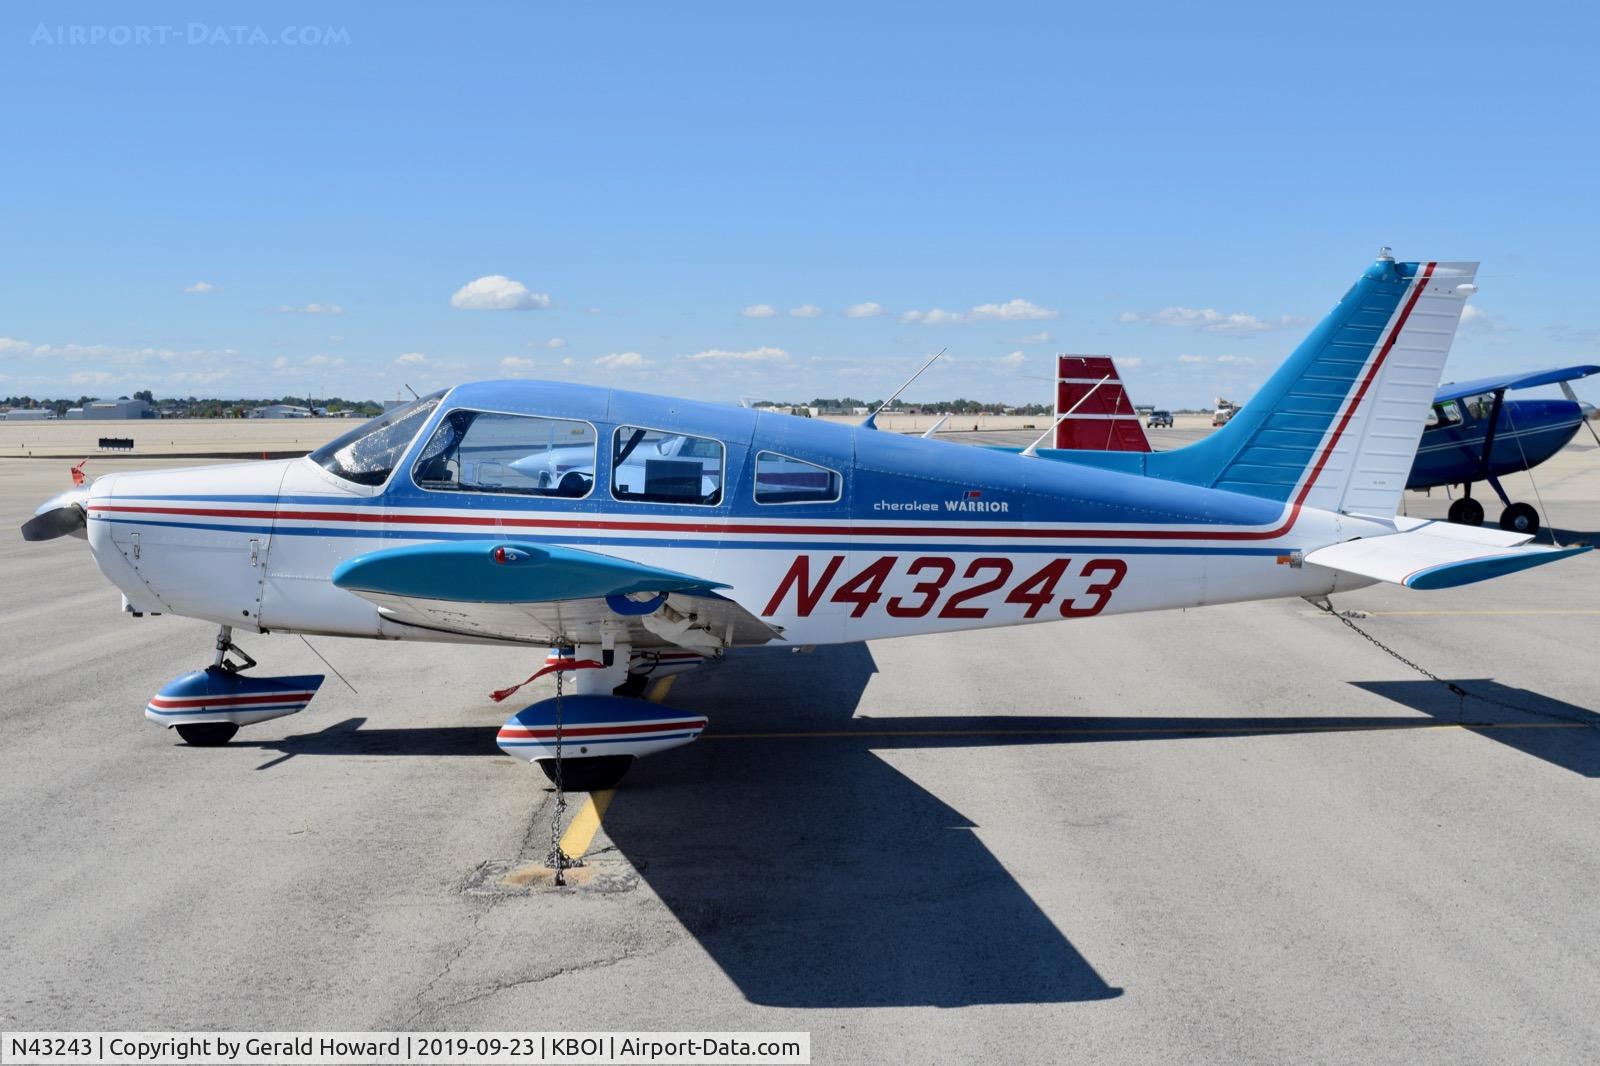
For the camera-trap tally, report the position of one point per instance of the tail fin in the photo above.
(1337, 426)
(1101, 416)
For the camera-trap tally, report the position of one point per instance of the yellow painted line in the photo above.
(580, 834)
(834, 734)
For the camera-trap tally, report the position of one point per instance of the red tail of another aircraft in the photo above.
(1102, 418)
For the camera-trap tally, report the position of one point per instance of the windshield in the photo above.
(368, 454)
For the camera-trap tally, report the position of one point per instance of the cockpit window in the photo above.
(527, 455)
(367, 455)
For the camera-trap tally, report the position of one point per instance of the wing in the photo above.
(1479, 386)
(545, 594)
(1437, 555)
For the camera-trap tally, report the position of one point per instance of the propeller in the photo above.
(58, 517)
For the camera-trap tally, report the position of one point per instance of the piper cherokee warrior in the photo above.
(635, 535)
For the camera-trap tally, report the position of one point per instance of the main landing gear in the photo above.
(208, 706)
(1516, 518)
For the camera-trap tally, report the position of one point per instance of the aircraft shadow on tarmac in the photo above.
(1561, 734)
(818, 875)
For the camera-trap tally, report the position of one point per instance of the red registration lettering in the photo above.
(1002, 568)
(1100, 590)
(928, 590)
(808, 595)
(866, 588)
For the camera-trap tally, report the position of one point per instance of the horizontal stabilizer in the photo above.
(490, 571)
(1437, 555)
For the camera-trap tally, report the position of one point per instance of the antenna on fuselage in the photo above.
(412, 391)
(871, 421)
(1033, 449)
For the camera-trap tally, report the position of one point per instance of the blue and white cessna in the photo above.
(637, 534)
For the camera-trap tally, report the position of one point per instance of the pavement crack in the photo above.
(455, 956)
(505, 986)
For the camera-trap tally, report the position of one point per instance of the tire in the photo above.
(1520, 518)
(207, 734)
(1466, 512)
(590, 774)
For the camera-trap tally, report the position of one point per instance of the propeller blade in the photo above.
(56, 522)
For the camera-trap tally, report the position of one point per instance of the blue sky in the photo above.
(1184, 187)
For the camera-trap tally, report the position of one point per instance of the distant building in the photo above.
(280, 410)
(120, 408)
(29, 414)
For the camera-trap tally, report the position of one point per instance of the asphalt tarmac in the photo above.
(1237, 834)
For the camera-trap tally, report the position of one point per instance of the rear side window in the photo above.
(527, 455)
(368, 454)
(655, 466)
(782, 479)
(1443, 414)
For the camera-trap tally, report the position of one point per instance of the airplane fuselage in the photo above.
(829, 533)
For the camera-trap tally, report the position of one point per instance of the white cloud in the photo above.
(759, 311)
(516, 366)
(92, 377)
(1191, 359)
(1477, 319)
(622, 361)
(1014, 359)
(336, 338)
(496, 292)
(320, 360)
(9, 345)
(870, 309)
(1240, 360)
(412, 359)
(1018, 310)
(312, 309)
(1129, 360)
(203, 287)
(806, 311)
(1208, 319)
(1042, 337)
(936, 317)
(754, 355)
(556, 342)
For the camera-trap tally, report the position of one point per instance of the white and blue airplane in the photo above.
(636, 535)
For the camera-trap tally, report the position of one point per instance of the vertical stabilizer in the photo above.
(1337, 425)
(1102, 418)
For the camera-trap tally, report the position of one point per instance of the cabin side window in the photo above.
(784, 479)
(1443, 414)
(658, 466)
(524, 455)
